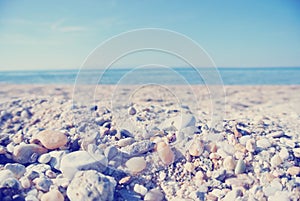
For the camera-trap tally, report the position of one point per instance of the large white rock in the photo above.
(179, 122)
(82, 160)
(91, 185)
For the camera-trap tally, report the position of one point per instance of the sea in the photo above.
(172, 76)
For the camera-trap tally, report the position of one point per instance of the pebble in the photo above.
(284, 154)
(229, 163)
(110, 152)
(154, 195)
(263, 143)
(17, 169)
(196, 148)
(138, 148)
(27, 153)
(82, 160)
(140, 189)
(240, 167)
(91, 185)
(276, 134)
(53, 195)
(251, 146)
(52, 139)
(294, 170)
(233, 195)
(44, 158)
(125, 142)
(189, 167)
(275, 161)
(165, 153)
(42, 183)
(131, 111)
(136, 164)
(296, 152)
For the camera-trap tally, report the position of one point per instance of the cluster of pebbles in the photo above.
(166, 153)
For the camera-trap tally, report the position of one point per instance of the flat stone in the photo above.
(27, 153)
(240, 167)
(52, 139)
(91, 185)
(276, 160)
(179, 122)
(84, 161)
(138, 148)
(294, 170)
(140, 189)
(17, 169)
(110, 152)
(154, 195)
(136, 164)
(125, 142)
(263, 143)
(53, 195)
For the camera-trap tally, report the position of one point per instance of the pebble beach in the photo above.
(150, 147)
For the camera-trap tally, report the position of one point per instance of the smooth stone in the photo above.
(294, 170)
(165, 153)
(27, 153)
(44, 158)
(280, 196)
(53, 195)
(56, 157)
(233, 195)
(297, 152)
(138, 148)
(110, 152)
(82, 160)
(136, 164)
(196, 148)
(17, 169)
(275, 161)
(131, 111)
(125, 142)
(263, 143)
(154, 195)
(251, 146)
(229, 163)
(91, 185)
(276, 134)
(179, 122)
(140, 189)
(240, 167)
(52, 139)
(284, 154)
(42, 184)
(272, 188)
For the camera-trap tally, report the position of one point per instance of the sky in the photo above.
(61, 34)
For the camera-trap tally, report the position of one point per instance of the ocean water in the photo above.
(227, 76)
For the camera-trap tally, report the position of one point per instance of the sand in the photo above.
(252, 153)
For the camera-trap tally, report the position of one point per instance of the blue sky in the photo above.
(61, 34)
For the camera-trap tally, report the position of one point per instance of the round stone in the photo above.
(165, 153)
(136, 164)
(52, 139)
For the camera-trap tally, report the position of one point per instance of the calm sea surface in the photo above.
(228, 76)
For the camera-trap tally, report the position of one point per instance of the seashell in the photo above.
(165, 153)
(136, 164)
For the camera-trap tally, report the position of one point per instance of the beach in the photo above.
(110, 142)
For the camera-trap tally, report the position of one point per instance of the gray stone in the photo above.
(27, 153)
(43, 184)
(240, 167)
(44, 158)
(138, 148)
(82, 160)
(17, 169)
(56, 157)
(110, 152)
(90, 186)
